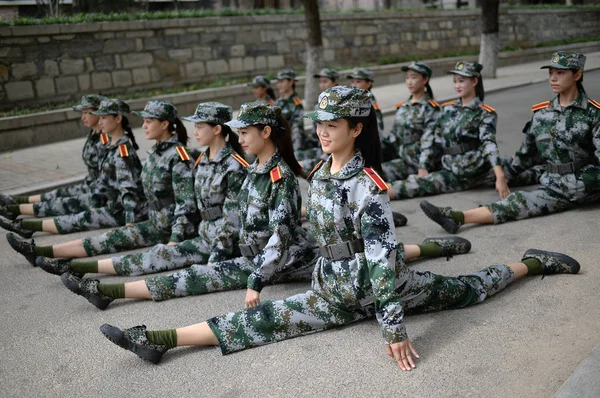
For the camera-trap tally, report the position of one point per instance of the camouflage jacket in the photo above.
(558, 135)
(413, 129)
(169, 188)
(343, 207)
(92, 153)
(270, 212)
(217, 184)
(292, 111)
(120, 181)
(474, 124)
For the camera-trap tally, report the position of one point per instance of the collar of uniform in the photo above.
(120, 141)
(354, 166)
(580, 102)
(474, 104)
(162, 145)
(223, 153)
(422, 101)
(291, 97)
(268, 166)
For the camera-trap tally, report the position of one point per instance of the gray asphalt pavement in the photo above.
(526, 341)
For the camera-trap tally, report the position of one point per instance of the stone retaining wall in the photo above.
(57, 63)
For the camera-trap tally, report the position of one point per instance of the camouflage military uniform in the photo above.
(467, 135)
(272, 241)
(217, 185)
(262, 81)
(413, 129)
(118, 196)
(367, 74)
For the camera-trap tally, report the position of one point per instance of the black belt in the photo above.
(252, 250)
(211, 213)
(159, 204)
(566, 168)
(343, 250)
(460, 149)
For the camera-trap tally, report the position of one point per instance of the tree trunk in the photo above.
(314, 52)
(490, 39)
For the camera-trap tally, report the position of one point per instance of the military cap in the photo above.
(211, 112)
(361, 73)
(253, 113)
(260, 81)
(340, 102)
(112, 106)
(328, 73)
(565, 60)
(468, 69)
(286, 74)
(91, 101)
(418, 67)
(158, 109)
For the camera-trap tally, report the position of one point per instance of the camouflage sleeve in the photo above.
(284, 210)
(182, 181)
(431, 115)
(128, 185)
(487, 136)
(379, 235)
(379, 115)
(527, 156)
(223, 241)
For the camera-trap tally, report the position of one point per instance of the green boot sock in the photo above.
(114, 290)
(32, 225)
(44, 251)
(84, 267)
(20, 199)
(458, 216)
(168, 337)
(14, 209)
(534, 266)
(430, 250)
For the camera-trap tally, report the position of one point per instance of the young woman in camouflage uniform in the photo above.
(361, 272)
(466, 134)
(292, 110)
(363, 78)
(273, 245)
(413, 128)
(261, 88)
(73, 198)
(119, 181)
(219, 173)
(168, 186)
(563, 136)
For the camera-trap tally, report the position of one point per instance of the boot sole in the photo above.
(457, 240)
(31, 257)
(436, 216)
(118, 337)
(574, 264)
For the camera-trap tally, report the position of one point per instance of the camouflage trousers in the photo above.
(315, 311)
(539, 202)
(76, 189)
(397, 169)
(89, 220)
(63, 205)
(226, 275)
(142, 234)
(435, 183)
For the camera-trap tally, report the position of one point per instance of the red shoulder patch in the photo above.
(270, 102)
(123, 151)
(182, 153)
(487, 108)
(240, 159)
(372, 174)
(449, 103)
(198, 160)
(276, 174)
(104, 138)
(434, 103)
(595, 103)
(539, 106)
(309, 176)
(377, 108)
(297, 101)
(399, 104)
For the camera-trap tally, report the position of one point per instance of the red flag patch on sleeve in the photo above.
(372, 174)
(275, 174)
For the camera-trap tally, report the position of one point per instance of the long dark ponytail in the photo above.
(231, 137)
(479, 91)
(368, 141)
(428, 90)
(178, 127)
(281, 136)
(129, 132)
(271, 93)
(579, 83)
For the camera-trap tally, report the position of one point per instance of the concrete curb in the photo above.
(584, 381)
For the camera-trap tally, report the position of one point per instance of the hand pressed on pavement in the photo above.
(402, 353)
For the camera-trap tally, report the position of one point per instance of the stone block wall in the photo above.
(57, 63)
